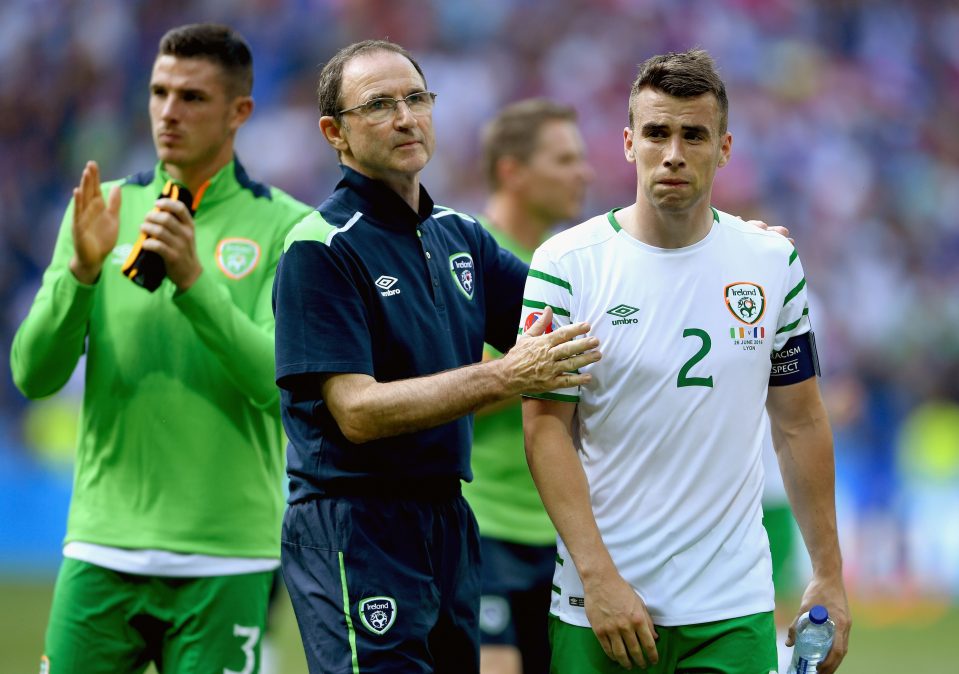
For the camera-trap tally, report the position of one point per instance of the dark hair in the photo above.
(514, 132)
(219, 44)
(330, 84)
(685, 75)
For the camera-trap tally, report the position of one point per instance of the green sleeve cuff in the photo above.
(197, 300)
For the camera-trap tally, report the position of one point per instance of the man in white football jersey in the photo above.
(652, 473)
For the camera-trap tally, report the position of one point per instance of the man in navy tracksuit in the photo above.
(383, 301)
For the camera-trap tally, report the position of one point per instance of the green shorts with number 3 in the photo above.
(109, 622)
(744, 645)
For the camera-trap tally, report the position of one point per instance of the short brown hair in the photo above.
(217, 43)
(685, 75)
(514, 132)
(330, 85)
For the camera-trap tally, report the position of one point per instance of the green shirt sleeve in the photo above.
(243, 345)
(49, 342)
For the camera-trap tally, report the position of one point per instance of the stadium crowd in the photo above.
(844, 121)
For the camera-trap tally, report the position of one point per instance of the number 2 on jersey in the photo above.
(684, 379)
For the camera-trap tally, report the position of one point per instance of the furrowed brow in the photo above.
(698, 128)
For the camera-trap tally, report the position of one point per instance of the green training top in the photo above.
(502, 493)
(180, 443)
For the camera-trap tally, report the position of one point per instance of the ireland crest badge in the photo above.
(461, 267)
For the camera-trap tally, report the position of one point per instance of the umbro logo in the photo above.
(385, 284)
(623, 311)
(121, 253)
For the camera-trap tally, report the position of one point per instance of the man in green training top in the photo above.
(173, 532)
(534, 161)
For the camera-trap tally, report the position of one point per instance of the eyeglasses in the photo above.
(381, 109)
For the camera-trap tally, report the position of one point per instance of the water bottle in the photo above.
(814, 633)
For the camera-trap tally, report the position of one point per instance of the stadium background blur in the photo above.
(844, 116)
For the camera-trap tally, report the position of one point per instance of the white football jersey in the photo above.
(670, 430)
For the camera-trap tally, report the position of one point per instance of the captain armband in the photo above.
(797, 361)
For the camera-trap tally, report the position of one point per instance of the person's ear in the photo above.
(725, 149)
(508, 170)
(628, 145)
(332, 131)
(242, 108)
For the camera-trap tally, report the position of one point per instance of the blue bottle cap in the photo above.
(818, 614)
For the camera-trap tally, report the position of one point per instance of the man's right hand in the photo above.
(96, 225)
(544, 362)
(620, 621)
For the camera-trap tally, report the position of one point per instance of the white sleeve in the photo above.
(548, 285)
(794, 315)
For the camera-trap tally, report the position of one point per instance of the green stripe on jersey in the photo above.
(543, 276)
(346, 613)
(612, 219)
(793, 257)
(792, 326)
(311, 228)
(795, 291)
(442, 211)
(533, 304)
(557, 590)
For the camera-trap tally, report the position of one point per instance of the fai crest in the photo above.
(461, 267)
(378, 614)
(237, 257)
(746, 301)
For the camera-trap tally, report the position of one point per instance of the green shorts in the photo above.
(109, 622)
(744, 645)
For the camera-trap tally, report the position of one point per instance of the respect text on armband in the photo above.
(795, 362)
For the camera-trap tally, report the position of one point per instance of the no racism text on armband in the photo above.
(797, 361)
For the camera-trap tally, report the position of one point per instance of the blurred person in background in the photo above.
(173, 531)
(653, 476)
(383, 301)
(534, 161)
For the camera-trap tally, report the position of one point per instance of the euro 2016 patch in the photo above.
(378, 614)
(461, 267)
(532, 318)
(746, 301)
